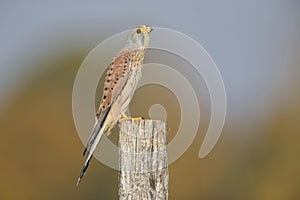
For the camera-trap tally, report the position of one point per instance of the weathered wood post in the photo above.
(143, 160)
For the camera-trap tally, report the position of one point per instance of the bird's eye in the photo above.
(138, 31)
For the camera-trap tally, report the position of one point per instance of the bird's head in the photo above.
(139, 38)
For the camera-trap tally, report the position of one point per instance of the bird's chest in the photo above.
(131, 84)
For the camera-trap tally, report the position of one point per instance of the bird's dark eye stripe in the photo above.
(138, 31)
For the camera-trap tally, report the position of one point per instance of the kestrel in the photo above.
(122, 77)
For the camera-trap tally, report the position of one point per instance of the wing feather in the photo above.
(116, 78)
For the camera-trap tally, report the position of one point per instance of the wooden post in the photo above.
(143, 160)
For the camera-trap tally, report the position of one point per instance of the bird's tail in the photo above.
(94, 139)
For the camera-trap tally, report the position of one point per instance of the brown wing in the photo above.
(116, 78)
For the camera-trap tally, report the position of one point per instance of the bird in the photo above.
(121, 79)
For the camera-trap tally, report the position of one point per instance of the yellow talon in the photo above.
(124, 115)
(125, 118)
(136, 118)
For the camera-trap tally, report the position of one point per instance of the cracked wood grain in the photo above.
(143, 160)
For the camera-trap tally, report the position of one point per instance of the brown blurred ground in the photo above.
(41, 151)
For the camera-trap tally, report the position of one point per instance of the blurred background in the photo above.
(255, 44)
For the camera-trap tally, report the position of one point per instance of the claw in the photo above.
(130, 118)
(124, 119)
(137, 118)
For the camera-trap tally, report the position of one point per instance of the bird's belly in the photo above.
(123, 100)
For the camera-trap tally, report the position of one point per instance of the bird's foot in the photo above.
(137, 118)
(130, 118)
(124, 117)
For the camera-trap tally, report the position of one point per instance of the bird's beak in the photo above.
(150, 29)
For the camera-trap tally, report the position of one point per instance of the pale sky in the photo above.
(255, 44)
